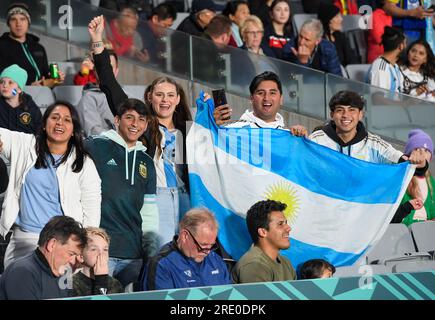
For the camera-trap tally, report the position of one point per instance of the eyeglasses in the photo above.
(198, 246)
(255, 33)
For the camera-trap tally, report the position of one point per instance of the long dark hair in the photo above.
(426, 69)
(182, 112)
(75, 141)
(288, 29)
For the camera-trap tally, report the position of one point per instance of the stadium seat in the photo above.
(43, 96)
(135, 91)
(353, 22)
(357, 72)
(299, 19)
(424, 236)
(71, 94)
(361, 270)
(395, 245)
(414, 266)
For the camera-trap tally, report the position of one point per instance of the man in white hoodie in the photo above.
(266, 99)
(129, 211)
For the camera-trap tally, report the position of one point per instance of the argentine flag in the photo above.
(337, 206)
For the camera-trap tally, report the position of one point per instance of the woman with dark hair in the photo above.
(166, 140)
(51, 174)
(418, 70)
(237, 11)
(332, 22)
(279, 32)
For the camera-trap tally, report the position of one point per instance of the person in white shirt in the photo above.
(266, 99)
(384, 71)
(418, 70)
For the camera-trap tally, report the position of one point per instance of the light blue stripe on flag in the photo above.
(338, 206)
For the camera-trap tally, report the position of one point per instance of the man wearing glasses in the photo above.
(270, 233)
(189, 260)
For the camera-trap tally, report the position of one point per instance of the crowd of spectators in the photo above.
(100, 190)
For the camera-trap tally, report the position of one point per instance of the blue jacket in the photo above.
(326, 56)
(171, 269)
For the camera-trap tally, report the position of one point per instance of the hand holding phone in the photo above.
(219, 97)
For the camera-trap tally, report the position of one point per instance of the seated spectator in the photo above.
(51, 175)
(418, 71)
(122, 33)
(279, 32)
(252, 32)
(418, 204)
(237, 12)
(87, 73)
(266, 100)
(208, 56)
(332, 22)
(270, 233)
(36, 276)
(153, 32)
(18, 111)
(22, 48)
(202, 12)
(384, 71)
(347, 6)
(347, 134)
(93, 108)
(189, 260)
(261, 9)
(94, 277)
(379, 20)
(312, 50)
(315, 269)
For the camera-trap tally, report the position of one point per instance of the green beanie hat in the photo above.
(15, 73)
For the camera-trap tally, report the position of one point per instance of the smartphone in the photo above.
(219, 99)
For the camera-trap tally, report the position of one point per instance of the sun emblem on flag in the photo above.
(283, 192)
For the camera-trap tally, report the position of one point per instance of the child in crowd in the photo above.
(94, 277)
(18, 111)
(421, 188)
(418, 71)
(316, 268)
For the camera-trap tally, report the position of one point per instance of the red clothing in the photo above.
(121, 45)
(350, 6)
(380, 20)
(232, 42)
(81, 80)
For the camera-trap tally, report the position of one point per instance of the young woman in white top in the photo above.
(418, 71)
(51, 174)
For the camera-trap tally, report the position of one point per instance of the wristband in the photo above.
(97, 44)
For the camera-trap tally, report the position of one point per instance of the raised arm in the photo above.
(108, 83)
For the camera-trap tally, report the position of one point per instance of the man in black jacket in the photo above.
(19, 47)
(47, 272)
(201, 14)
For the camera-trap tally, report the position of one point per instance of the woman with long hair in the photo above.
(279, 32)
(51, 174)
(418, 70)
(332, 22)
(164, 137)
